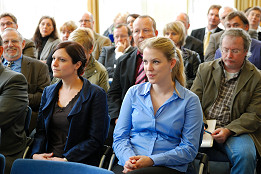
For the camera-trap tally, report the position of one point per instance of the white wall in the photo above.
(28, 12)
(163, 11)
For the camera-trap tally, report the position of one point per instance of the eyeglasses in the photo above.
(233, 51)
(7, 24)
(85, 21)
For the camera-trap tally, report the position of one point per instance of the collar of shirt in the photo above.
(127, 49)
(139, 54)
(175, 95)
(212, 31)
(259, 29)
(118, 54)
(221, 63)
(17, 63)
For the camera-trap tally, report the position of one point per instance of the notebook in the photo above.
(207, 140)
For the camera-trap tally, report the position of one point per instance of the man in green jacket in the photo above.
(229, 89)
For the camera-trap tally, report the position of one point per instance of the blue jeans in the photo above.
(240, 150)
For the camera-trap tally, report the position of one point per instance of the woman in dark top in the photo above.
(176, 32)
(73, 116)
(45, 37)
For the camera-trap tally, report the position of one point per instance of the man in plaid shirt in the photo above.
(229, 89)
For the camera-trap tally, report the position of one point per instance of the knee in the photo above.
(246, 156)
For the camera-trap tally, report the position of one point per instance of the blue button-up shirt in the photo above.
(170, 138)
(16, 66)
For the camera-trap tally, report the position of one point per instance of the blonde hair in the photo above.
(168, 48)
(83, 36)
(121, 17)
(178, 28)
(69, 25)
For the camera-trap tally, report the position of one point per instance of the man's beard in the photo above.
(11, 56)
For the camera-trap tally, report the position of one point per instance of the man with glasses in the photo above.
(8, 20)
(229, 89)
(238, 19)
(35, 72)
(13, 110)
(87, 21)
(235, 20)
(122, 38)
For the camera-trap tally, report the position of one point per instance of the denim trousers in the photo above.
(240, 151)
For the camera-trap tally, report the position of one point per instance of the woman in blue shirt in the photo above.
(160, 121)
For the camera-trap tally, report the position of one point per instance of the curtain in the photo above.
(93, 7)
(241, 5)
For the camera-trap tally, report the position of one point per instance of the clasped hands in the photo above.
(137, 162)
(47, 156)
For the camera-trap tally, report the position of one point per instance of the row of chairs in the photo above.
(108, 158)
(29, 166)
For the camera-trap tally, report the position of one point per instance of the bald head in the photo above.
(86, 20)
(144, 27)
(223, 12)
(184, 18)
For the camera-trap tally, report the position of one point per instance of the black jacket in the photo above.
(191, 62)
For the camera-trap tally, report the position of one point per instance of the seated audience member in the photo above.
(129, 70)
(238, 20)
(160, 121)
(8, 20)
(35, 72)
(229, 89)
(45, 37)
(176, 32)
(122, 37)
(253, 33)
(191, 42)
(130, 19)
(215, 37)
(120, 18)
(203, 34)
(73, 116)
(254, 18)
(13, 110)
(94, 71)
(99, 41)
(66, 30)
